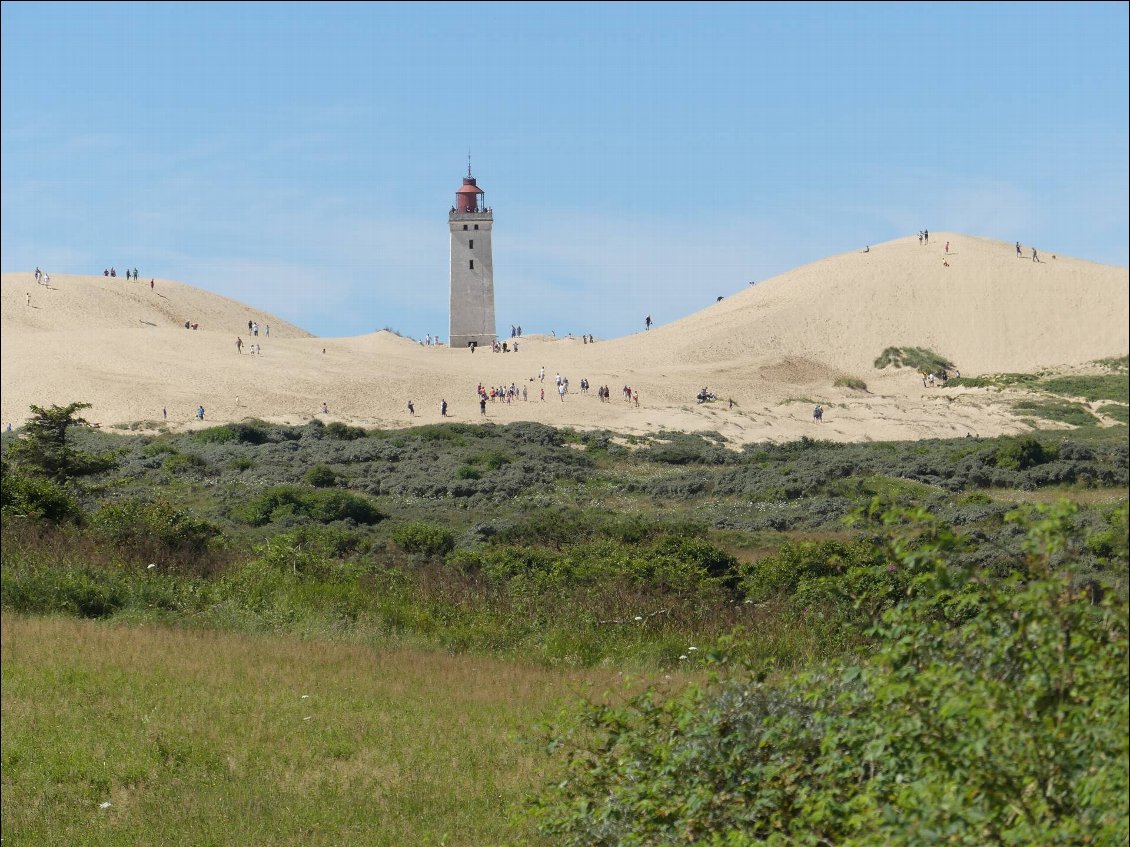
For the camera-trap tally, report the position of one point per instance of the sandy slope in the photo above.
(775, 349)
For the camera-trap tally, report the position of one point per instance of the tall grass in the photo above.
(223, 739)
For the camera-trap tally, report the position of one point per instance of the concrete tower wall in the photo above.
(472, 279)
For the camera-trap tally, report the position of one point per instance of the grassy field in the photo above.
(210, 738)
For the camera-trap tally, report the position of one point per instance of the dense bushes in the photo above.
(1007, 726)
(424, 538)
(37, 498)
(283, 501)
(153, 524)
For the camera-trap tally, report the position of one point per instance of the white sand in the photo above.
(775, 348)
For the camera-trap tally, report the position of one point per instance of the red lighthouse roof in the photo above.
(467, 197)
(469, 186)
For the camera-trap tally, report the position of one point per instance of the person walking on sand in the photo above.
(817, 414)
(947, 247)
(926, 235)
(647, 323)
(38, 275)
(238, 344)
(411, 409)
(482, 405)
(165, 412)
(1035, 257)
(1018, 250)
(325, 409)
(150, 285)
(28, 295)
(443, 408)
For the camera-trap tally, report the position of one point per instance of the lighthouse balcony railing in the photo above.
(480, 215)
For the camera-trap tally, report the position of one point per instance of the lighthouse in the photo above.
(472, 268)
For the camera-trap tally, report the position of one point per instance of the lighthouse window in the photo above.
(476, 226)
(472, 244)
(472, 264)
(464, 226)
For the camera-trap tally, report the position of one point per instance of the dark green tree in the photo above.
(45, 450)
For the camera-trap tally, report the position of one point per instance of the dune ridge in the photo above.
(775, 348)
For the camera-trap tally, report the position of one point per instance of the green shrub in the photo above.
(468, 472)
(33, 497)
(144, 523)
(321, 476)
(235, 433)
(344, 432)
(850, 382)
(424, 538)
(320, 506)
(183, 463)
(216, 435)
(491, 459)
(1019, 454)
(797, 564)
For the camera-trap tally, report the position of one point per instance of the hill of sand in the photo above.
(775, 349)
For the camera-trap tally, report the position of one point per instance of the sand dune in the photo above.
(775, 349)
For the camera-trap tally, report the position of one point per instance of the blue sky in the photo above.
(639, 158)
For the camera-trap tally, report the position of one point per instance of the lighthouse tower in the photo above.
(472, 268)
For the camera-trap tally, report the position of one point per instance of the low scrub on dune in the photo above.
(918, 358)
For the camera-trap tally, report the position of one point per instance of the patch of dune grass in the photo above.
(918, 358)
(1114, 387)
(1058, 411)
(1115, 363)
(1117, 412)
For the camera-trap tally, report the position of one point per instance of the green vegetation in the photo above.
(1115, 411)
(1045, 402)
(1120, 363)
(536, 551)
(46, 450)
(850, 382)
(1072, 414)
(204, 737)
(991, 710)
(918, 358)
(1091, 388)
